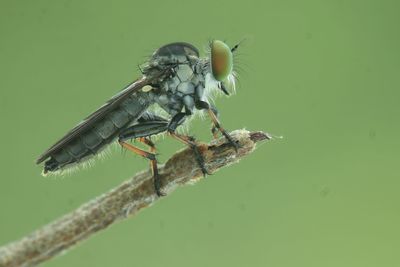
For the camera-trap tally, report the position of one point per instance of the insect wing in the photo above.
(95, 116)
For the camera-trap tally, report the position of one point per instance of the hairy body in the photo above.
(175, 79)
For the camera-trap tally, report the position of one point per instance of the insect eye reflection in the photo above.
(221, 60)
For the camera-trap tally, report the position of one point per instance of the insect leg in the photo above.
(143, 129)
(138, 151)
(201, 105)
(187, 140)
(146, 126)
(214, 129)
(218, 126)
(150, 156)
(153, 165)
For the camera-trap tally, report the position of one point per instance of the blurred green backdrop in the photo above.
(323, 74)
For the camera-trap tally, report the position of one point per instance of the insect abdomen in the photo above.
(101, 134)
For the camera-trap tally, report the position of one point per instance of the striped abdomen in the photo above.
(93, 140)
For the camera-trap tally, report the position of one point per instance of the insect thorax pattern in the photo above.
(185, 86)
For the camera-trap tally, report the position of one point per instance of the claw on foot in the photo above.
(200, 159)
(204, 171)
(157, 186)
(235, 144)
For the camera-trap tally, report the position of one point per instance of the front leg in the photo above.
(217, 125)
(212, 111)
(214, 129)
(190, 141)
(203, 105)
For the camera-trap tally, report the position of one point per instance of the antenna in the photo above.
(233, 49)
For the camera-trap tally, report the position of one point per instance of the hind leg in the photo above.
(153, 165)
(141, 131)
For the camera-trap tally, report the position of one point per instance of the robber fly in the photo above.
(176, 79)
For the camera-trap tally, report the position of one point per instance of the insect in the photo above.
(177, 80)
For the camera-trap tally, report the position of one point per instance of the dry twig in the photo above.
(121, 202)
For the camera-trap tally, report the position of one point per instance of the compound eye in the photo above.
(221, 60)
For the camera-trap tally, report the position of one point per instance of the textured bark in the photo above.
(123, 201)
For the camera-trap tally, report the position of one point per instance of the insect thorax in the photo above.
(185, 86)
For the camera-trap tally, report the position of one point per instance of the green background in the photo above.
(323, 74)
